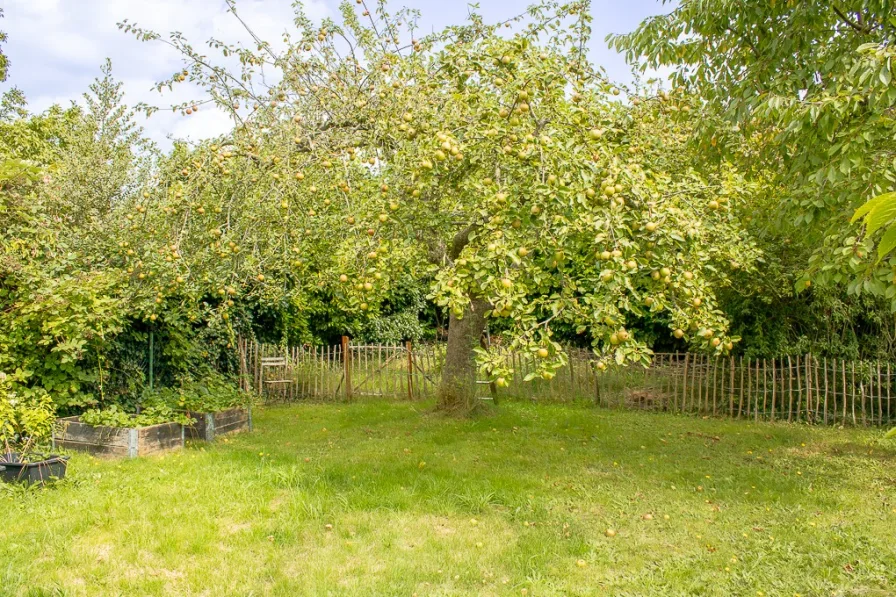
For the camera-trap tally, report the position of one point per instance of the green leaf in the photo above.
(871, 205)
(881, 215)
(887, 243)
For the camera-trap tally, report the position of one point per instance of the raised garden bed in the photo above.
(206, 426)
(118, 441)
(36, 469)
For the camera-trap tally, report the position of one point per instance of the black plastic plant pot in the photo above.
(39, 469)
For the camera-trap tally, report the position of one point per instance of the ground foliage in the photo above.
(382, 498)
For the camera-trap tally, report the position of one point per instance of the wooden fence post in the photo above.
(764, 391)
(698, 380)
(410, 350)
(843, 386)
(258, 370)
(700, 370)
(862, 397)
(674, 369)
(347, 367)
(715, 372)
(774, 389)
(731, 388)
(789, 389)
(834, 390)
(807, 366)
(816, 379)
(825, 365)
(760, 364)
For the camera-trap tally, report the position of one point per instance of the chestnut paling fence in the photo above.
(802, 388)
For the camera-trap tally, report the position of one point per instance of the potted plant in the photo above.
(27, 419)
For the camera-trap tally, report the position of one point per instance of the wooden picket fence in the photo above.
(804, 388)
(342, 372)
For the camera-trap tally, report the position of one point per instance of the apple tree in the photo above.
(505, 165)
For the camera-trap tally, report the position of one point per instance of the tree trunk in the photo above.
(458, 390)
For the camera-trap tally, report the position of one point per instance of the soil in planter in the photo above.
(39, 469)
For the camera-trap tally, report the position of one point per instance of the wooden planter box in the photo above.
(72, 434)
(207, 426)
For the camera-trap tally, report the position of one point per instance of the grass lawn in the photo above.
(390, 499)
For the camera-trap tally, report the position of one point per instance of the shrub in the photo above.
(27, 418)
(115, 416)
(211, 394)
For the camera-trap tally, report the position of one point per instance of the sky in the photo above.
(56, 47)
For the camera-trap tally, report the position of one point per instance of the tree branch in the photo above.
(858, 27)
(461, 240)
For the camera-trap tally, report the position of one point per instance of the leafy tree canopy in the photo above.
(4, 60)
(504, 165)
(810, 85)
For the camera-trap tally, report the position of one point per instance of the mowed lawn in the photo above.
(392, 499)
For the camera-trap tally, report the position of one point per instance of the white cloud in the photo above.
(56, 48)
(41, 8)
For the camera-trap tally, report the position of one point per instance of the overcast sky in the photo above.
(56, 47)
